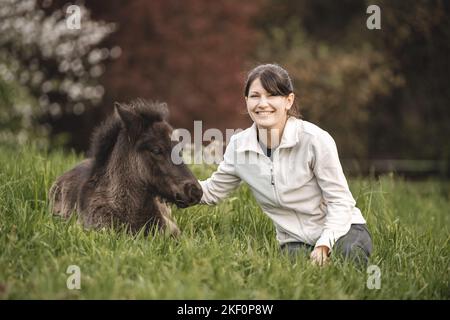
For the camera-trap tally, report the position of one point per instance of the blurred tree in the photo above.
(380, 93)
(335, 76)
(54, 68)
(16, 115)
(414, 121)
(189, 54)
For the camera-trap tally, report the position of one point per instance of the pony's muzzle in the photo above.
(194, 192)
(192, 195)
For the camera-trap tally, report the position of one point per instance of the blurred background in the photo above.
(382, 94)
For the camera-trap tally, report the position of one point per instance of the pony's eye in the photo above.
(156, 150)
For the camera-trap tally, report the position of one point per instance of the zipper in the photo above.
(272, 182)
(271, 177)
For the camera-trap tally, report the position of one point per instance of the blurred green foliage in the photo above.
(47, 70)
(382, 94)
(18, 124)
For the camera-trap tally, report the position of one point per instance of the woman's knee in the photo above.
(356, 245)
(353, 252)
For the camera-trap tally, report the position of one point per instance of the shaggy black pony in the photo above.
(130, 175)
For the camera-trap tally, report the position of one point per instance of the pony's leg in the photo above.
(63, 195)
(61, 200)
(168, 224)
(54, 198)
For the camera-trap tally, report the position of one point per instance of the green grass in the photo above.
(227, 251)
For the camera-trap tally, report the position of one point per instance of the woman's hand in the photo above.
(320, 255)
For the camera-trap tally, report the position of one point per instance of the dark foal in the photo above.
(130, 176)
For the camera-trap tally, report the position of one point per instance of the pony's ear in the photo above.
(128, 117)
(164, 111)
(131, 120)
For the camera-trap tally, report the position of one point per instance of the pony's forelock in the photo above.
(107, 134)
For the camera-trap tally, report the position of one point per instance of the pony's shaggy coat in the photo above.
(130, 174)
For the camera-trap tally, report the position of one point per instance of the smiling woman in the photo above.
(311, 206)
(267, 110)
(270, 101)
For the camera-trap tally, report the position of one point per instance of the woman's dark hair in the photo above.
(276, 81)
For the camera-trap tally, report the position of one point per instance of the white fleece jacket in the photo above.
(303, 190)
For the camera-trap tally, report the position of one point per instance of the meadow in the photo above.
(228, 251)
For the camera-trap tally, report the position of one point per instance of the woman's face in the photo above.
(266, 110)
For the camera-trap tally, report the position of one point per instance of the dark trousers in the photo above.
(356, 245)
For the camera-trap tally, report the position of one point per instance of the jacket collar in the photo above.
(250, 141)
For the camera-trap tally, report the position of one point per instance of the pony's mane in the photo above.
(104, 139)
(106, 135)
(150, 111)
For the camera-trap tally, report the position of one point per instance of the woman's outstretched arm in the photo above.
(223, 180)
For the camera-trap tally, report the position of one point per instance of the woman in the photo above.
(293, 170)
